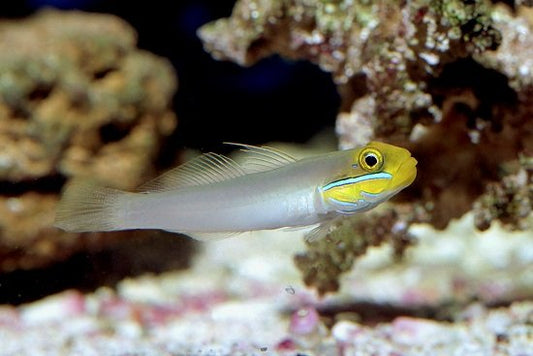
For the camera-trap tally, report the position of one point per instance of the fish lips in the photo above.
(407, 172)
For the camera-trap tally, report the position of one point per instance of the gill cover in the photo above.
(374, 173)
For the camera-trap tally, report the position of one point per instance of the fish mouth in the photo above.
(410, 162)
(407, 172)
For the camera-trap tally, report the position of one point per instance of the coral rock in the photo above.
(77, 99)
(326, 259)
(450, 80)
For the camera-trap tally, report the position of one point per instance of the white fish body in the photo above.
(282, 197)
(212, 196)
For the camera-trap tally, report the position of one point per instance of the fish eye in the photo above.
(371, 159)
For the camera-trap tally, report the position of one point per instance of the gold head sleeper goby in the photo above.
(213, 196)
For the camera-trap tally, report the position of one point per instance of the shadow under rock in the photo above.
(86, 271)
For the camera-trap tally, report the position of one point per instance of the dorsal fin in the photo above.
(205, 169)
(262, 158)
(213, 167)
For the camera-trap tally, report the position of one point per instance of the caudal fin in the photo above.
(85, 206)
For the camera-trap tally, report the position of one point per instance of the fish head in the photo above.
(376, 172)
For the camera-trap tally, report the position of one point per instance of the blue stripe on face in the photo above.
(352, 180)
(348, 208)
(371, 197)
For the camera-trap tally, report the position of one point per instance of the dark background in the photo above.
(217, 101)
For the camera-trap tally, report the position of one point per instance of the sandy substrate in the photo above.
(243, 296)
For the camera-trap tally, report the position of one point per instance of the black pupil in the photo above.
(371, 160)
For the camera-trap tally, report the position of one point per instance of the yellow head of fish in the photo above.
(376, 172)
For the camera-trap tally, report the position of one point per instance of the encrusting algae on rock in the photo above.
(328, 258)
(449, 80)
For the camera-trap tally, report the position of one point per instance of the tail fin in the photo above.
(86, 206)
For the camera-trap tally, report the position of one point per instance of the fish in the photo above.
(213, 197)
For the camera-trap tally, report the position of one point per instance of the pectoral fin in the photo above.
(322, 230)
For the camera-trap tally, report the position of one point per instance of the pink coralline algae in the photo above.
(304, 321)
(107, 323)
